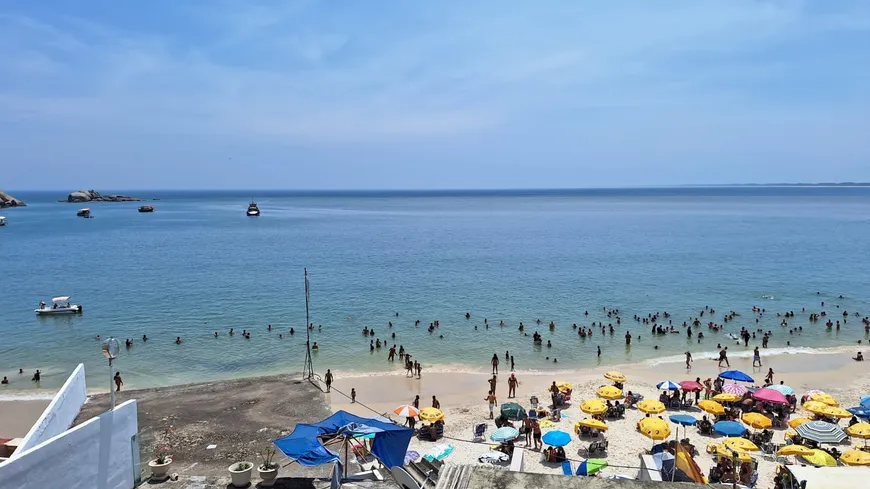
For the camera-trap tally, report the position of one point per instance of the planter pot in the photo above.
(268, 476)
(159, 471)
(241, 478)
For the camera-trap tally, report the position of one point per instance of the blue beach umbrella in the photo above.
(683, 419)
(859, 411)
(556, 438)
(729, 428)
(736, 375)
(782, 389)
(865, 401)
(504, 434)
(667, 385)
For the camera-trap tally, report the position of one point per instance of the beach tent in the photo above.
(305, 447)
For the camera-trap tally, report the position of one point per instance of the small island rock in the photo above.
(94, 196)
(7, 200)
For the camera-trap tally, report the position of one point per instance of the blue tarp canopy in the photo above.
(303, 445)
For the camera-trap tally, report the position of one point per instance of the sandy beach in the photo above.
(462, 399)
(17, 417)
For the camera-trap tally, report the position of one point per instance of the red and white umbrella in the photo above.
(736, 389)
(407, 411)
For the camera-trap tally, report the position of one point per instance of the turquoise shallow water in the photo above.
(198, 265)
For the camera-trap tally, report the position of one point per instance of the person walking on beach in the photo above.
(352, 395)
(328, 379)
(688, 360)
(723, 357)
(493, 402)
(416, 402)
(435, 403)
(118, 382)
(512, 386)
(494, 363)
(769, 379)
(756, 358)
(492, 383)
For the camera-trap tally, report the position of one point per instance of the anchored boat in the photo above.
(59, 305)
(253, 210)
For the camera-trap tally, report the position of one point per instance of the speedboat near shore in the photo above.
(253, 210)
(86, 213)
(59, 305)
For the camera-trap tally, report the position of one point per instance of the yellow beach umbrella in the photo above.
(609, 392)
(726, 397)
(855, 457)
(795, 422)
(815, 407)
(593, 406)
(860, 430)
(794, 450)
(820, 458)
(740, 444)
(836, 412)
(615, 376)
(431, 414)
(723, 451)
(655, 428)
(757, 420)
(711, 407)
(563, 386)
(824, 399)
(590, 423)
(651, 406)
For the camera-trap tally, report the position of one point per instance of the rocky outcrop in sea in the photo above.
(7, 200)
(94, 196)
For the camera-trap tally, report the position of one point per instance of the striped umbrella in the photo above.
(736, 389)
(667, 385)
(504, 434)
(813, 392)
(782, 389)
(821, 432)
(407, 411)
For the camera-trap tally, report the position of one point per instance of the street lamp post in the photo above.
(111, 348)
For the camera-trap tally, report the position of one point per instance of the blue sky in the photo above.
(406, 94)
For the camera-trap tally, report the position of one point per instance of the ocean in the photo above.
(198, 265)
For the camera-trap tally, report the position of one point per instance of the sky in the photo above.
(296, 94)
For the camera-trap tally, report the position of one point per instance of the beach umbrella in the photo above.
(651, 406)
(504, 434)
(825, 399)
(667, 385)
(821, 432)
(836, 412)
(654, 428)
(814, 407)
(683, 419)
(711, 407)
(590, 423)
(820, 458)
(770, 395)
(593, 406)
(736, 375)
(493, 457)
(865, 401)
(729, 428)
(860, 430)
(691, 385)
(723, 451)
(726, 397)
(740, 444)
(556, 438)
(735, 389)
(615, 376)
(855, 457)
(512, 410)
(794, 450)
(784, 389)
(591, 466)
(795, 422)
(609, 392)
(859, 411)
(431, 414)
(757, 420)
(563, 386)
(407, 411)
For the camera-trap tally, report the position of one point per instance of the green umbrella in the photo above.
(591, 466)
(512, 410)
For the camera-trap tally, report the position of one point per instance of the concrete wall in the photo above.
(97, 454)
(60, 413)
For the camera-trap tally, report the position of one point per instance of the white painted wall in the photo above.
(71, 460)
(60, 413)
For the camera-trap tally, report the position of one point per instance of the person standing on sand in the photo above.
(328, 379)
(492, 382)
(769, 379)
(708, 388)
(416, 402)
(118, 382)
(494, 363)
(756, 358)
(723, 357)
(352, 395)
(493, 402)
(435, 403)
(512, 386)
(688, 360)
(536, 433)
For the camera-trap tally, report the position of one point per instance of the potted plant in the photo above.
(240, 472)
(268, 470)
(162, 460)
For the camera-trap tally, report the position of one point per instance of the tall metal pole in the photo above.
(308, 369)
(111, 382)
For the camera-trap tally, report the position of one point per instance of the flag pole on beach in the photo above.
(308, 369)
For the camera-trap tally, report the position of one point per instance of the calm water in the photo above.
(198, 265)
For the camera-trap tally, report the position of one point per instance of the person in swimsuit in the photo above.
(493, 402)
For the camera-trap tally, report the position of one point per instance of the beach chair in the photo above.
(566, 468)
(533, 401)
(479, 431)
(405, 480)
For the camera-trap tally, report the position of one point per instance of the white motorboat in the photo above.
(59, 305)
(2, 221)
(253, 210)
